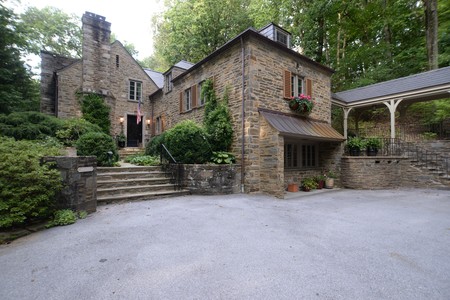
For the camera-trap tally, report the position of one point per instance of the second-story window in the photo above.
(188, 99)
(296, 85)
(135, 90)
(202, 99)
(168, 82)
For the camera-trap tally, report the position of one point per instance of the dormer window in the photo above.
(281, 37)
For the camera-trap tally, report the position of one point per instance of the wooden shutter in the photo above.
(181, 102)
(309, 91)
(153, 131)
(194, 95)
(287, 85)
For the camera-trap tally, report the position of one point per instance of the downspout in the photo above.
(243, 119)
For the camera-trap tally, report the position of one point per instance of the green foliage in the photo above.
(373, 143)
(356, 143)
(309, 183)
(96, 111)
(217, 120)
(51, 29)
(154, 147)
(192, 29)
(143, 160)
(63, 217)
(433, 112)
(29, 125)
(98, 144)
(187, 143)
(73, 128)
(18, 91)
(27, 187)
(223, 157)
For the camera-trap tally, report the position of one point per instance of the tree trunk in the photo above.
(431, 25)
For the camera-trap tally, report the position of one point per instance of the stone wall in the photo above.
(212, 179)
(79, 177)
(69, 83)
(50, 62)
(364, 172)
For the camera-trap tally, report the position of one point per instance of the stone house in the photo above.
(274, 146)
(106, 69)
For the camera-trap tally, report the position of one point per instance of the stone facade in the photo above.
(251, 72)
(79, 177)
(105, 69)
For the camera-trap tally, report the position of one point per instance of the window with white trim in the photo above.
(281, 37)
(301, 155)
(202, 99)
(297, 86)
(188, 99)
(135, 90)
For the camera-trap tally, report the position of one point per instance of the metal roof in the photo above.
(158, 78)
(291, 125)
(404, 85)
(184, 64)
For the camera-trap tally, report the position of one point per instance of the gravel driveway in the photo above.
(342, 244)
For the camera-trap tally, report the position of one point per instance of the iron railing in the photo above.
(435, 162)
(169, 164)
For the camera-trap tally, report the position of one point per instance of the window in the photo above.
(201, 101)
(188, 99)
(296, 85)
(300, 155)
(135, 90)
(168, 82)
(282, 38)
(158, 125)
(117, 61)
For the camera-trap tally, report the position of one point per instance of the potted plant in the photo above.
(372, 145)
(301, 104)
(329, 181)
(320, 180)
(355, 145)
(308, 184)
(292, 187)
(121, 139)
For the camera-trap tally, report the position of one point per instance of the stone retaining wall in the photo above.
(79, 176)
(212, 179)
(383, 172)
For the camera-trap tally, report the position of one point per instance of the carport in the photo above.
(426, 86)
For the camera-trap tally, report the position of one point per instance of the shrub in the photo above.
(29, 125)
(154, 147)
(98, 144)
(143, 160)
(96, 111)
(27, 188)
(187, 143)
(223, 158)
(217, 120)
(73, 128)
(66, 217)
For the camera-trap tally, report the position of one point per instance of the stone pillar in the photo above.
(96, 54)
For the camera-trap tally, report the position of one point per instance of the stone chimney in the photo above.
(96, 54)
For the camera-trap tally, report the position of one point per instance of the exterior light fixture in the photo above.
(121, 119)
(148, 122)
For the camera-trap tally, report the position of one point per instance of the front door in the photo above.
(134, 131)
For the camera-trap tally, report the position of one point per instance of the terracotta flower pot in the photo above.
(293, 187)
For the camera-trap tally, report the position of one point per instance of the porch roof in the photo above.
(295, 126)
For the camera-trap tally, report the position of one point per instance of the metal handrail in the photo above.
(172, 166)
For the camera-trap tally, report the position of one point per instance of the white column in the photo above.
(392, 106)
(346, 112)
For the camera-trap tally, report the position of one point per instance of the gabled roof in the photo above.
(404, 86)
(182, 64)
(254, 33)
(158, 78)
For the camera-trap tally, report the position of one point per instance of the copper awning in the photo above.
(291, 125)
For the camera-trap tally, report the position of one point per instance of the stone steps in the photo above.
(128, 151)
(132, 183)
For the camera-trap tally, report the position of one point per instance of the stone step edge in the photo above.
(135, 187)
(150, 194)
(132, 180)
(131, 173)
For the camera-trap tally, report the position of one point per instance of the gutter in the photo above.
(243, 119)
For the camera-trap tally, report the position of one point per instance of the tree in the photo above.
(192, 29)
(18, 92)
(431, 24)
(131, 48)
(51, 29)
